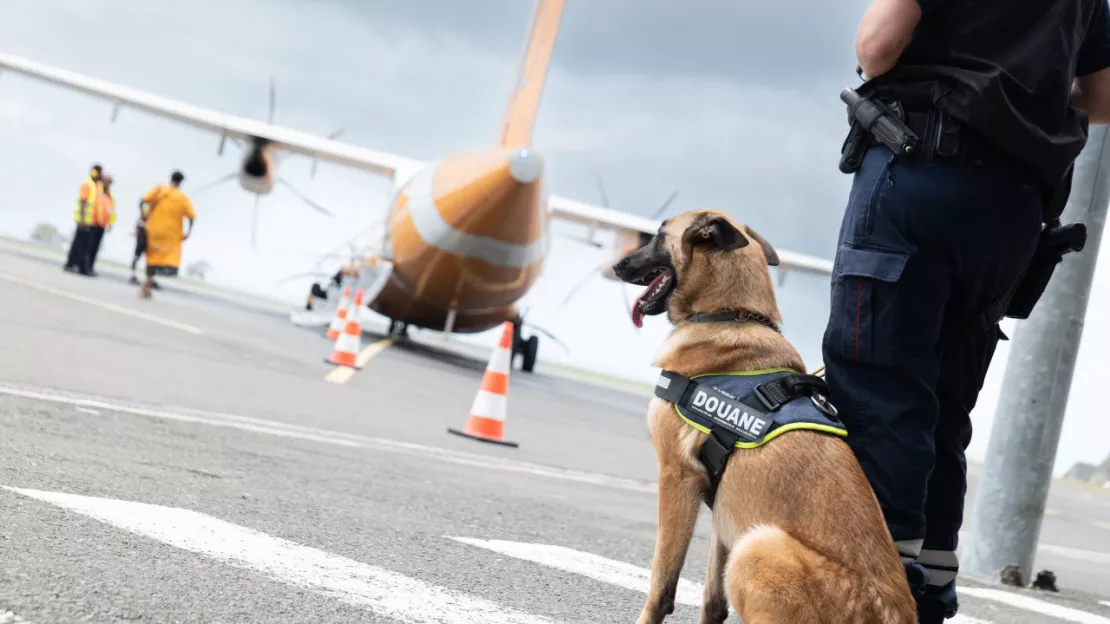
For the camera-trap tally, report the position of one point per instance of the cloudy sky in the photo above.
(733, 104)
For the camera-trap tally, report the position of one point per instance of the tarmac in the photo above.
(186, 459)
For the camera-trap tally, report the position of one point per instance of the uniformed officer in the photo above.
(930, 239)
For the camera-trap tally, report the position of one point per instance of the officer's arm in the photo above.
(1092, 94)
(884, 32)
(1091, 90)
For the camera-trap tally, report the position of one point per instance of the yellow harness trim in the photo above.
(777, 432)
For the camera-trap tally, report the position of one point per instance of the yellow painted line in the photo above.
(103, 304)
(342, 374)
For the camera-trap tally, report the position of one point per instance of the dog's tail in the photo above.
(772, 577)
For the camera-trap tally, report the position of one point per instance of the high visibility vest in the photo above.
(85, 210)
(105, 210)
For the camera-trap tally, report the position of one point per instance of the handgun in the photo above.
(878, 120)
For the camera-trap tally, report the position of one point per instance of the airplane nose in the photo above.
(525, 166)
(485, 205)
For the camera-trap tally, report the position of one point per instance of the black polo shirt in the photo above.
(1005, 68)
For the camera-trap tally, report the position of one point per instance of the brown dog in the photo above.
(798, 535)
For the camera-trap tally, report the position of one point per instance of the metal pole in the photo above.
(1013, 489)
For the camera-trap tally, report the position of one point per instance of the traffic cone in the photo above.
(340, 318)
(349, 341)
(487, 413)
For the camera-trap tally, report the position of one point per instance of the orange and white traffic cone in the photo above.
(348, 343)
(490, 407)
(340, 318)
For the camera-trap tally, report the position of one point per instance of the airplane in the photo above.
(466, 235)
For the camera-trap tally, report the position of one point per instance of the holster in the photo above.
(1033, 283)
(942, 139)
(854, 147)
(1055, 242)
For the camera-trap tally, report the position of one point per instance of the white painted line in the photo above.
(609, 571)
(587, 564)
(382, 591)
(83, 410)
(1080, 554)
(1028, 603)
(103, 304)
(966, 619)
(1105, 603)
(267, 427)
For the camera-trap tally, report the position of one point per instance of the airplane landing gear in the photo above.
(525, 348)
(398, 329)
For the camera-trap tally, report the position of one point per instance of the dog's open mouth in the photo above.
(660, 282)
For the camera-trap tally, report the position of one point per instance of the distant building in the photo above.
(1090, 473)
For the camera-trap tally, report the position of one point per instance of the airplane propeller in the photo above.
(601, 267)
(271, 112)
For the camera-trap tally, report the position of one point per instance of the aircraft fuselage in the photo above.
(468, 233)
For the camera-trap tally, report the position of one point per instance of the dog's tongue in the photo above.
(637, 315)
(637, 311)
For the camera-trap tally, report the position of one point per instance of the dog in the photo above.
(798, 534)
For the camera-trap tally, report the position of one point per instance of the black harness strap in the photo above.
(763, 399)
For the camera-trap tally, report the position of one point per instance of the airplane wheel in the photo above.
(531, 347)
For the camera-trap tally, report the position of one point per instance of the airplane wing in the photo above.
(606, 219)
(329, 150)
(223, 124)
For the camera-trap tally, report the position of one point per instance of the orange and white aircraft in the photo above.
(466, 235)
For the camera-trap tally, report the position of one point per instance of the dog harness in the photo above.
(746, 410)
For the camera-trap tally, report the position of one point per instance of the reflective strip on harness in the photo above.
(731, 401)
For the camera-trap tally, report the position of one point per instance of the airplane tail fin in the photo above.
(525, 99)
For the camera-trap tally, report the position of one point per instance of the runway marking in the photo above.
(1105, 603)
(83, 410)
(586, 564)
(342, 374)
(103, 304)
(1076, 553)
(1028, 603)
(1079, 554)
(257, 425)
(382, 591)
(609, 571)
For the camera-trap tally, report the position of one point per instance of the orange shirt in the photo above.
(105, 212)
(165, 225)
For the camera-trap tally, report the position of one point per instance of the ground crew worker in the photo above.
(140, 240)
(930, 239)
(103, 218)
(87, 196)
(165, 208)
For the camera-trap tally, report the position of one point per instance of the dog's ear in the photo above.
(768, 250)
(716, 233)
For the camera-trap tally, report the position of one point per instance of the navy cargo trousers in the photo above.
(924, 247)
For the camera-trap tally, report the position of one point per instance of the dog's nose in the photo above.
(620, 266)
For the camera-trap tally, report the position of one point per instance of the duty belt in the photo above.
(747, 410)
(946, 140)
